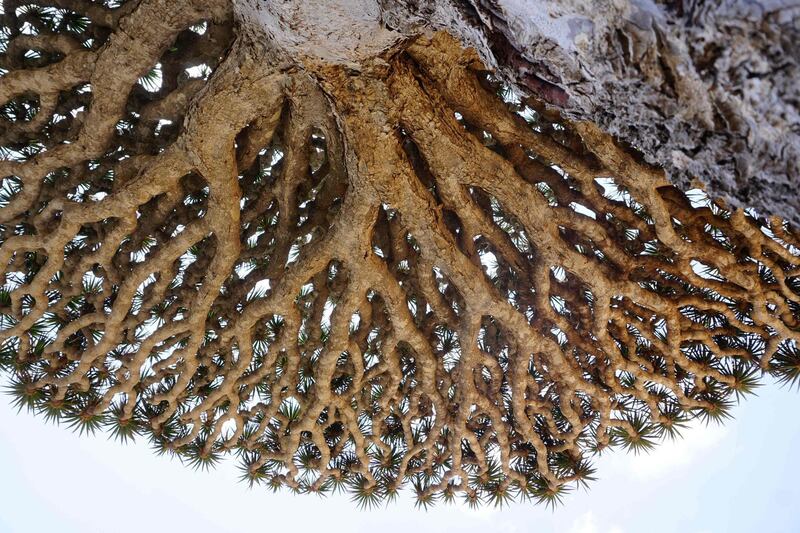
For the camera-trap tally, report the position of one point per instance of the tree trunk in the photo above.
(706, 89)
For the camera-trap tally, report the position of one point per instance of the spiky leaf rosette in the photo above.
(356, 276)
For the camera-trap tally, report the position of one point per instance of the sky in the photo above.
(741, 477)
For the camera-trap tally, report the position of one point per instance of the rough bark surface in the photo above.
(706, 89)
(349, 255)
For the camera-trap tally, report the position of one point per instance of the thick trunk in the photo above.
(708, 90)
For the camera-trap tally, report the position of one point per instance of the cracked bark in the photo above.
(707, 90)
(344, 256)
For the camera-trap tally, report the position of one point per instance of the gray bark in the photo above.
(709, 90)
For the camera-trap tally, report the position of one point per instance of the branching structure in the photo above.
(365, 270)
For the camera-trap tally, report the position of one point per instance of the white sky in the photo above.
(740, 478)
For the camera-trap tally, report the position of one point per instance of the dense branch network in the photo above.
(364, 278)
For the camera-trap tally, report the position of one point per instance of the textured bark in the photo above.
(342, 255)
(706, 89)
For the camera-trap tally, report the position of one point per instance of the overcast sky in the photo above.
(737, 478)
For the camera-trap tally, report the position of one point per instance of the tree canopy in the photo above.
(368, 270)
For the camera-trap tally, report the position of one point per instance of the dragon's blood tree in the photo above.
(355, 257)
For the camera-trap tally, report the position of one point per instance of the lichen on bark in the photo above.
(356, 259)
